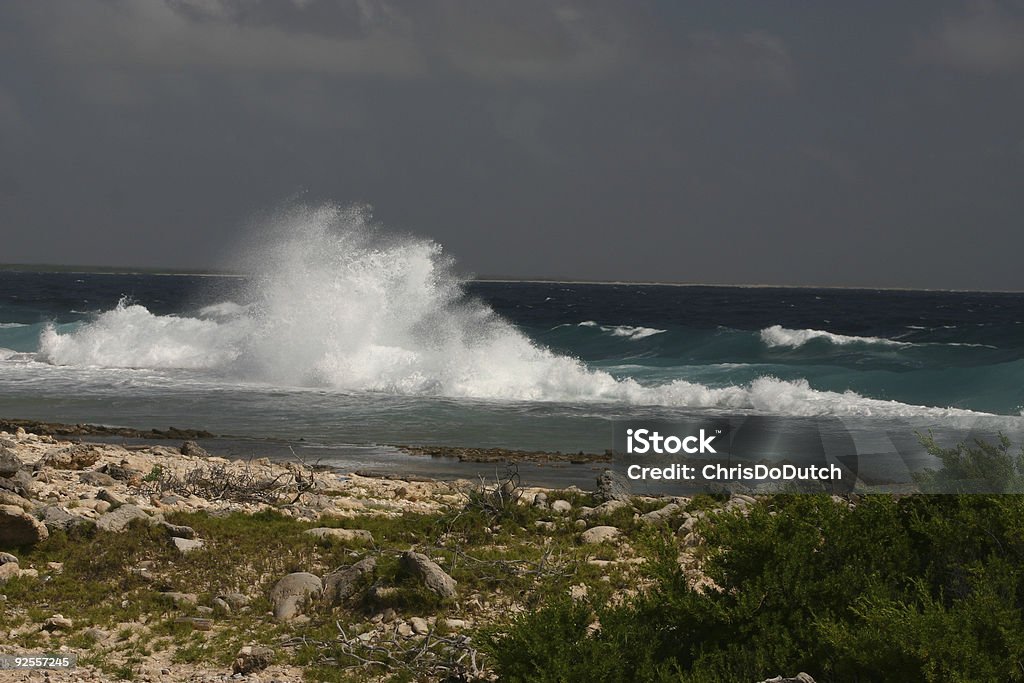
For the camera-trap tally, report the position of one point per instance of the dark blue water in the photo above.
(374, 357)
(941, 349)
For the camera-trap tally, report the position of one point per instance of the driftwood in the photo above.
(447, 658)
(215, 481)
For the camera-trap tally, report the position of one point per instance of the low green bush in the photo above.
(921, 588)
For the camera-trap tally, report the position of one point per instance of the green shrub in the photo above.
(922, 588)
(980, 467)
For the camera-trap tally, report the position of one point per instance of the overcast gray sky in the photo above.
(837, 143)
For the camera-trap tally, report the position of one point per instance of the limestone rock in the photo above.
(235, 600)
(8, 571)
(95, 478)
(119, 519)
(74, 457)
(561, 506)
(343, 535)
(432, 576)
(194, 449)
(20, 483)
(179, 530)
(340, 584)
(18, 528)
(122, 472)
(660, 515)
(419, 626)
(110, 497)
(612, 486)
(600, 534)
(57, 518)
(605, 508)
(10, 463)
(251, 658)
(186, 545)
(96, 635)
(180, 599)
(58, 622)
(293, 592)
(11, 498)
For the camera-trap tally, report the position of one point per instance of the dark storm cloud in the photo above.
(848, 143)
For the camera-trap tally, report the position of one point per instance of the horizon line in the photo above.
(213, 272)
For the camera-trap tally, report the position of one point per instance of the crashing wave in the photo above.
(777, 335)
(335, 305)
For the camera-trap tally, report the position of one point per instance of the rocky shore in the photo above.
(163, 563)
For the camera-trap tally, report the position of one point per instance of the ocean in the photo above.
(346, 341)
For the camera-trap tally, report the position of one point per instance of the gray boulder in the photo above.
(10, 463)
(340, 584)
(110, 497)
(21, 483)
(606, 508)
(612, 486)
(119, 519)
(252, 658)
(600, 534)
(429, 573)
(94, 478)
(20, 529)
(58, 622)
(194, 449)
(178, 530)
(343, 535)
(181, 599)
(75, 457)
(235, 600)
(11, 498)
(186, 545)
(799, 678)
(659, 516)
(561, 506)
(122, 472)
(292, 593)
(420, 626)
(57, 518)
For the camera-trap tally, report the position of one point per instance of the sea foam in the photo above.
(627, 331)
(335, 304)
(777, 335)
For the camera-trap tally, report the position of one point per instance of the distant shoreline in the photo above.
(127, 270)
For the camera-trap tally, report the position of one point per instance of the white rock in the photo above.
(186, 545)
(343, 535)
(561, 506)
(600, 534)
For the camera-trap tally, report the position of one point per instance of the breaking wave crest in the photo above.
(335, 304)
(627, 331)
(777, 335)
